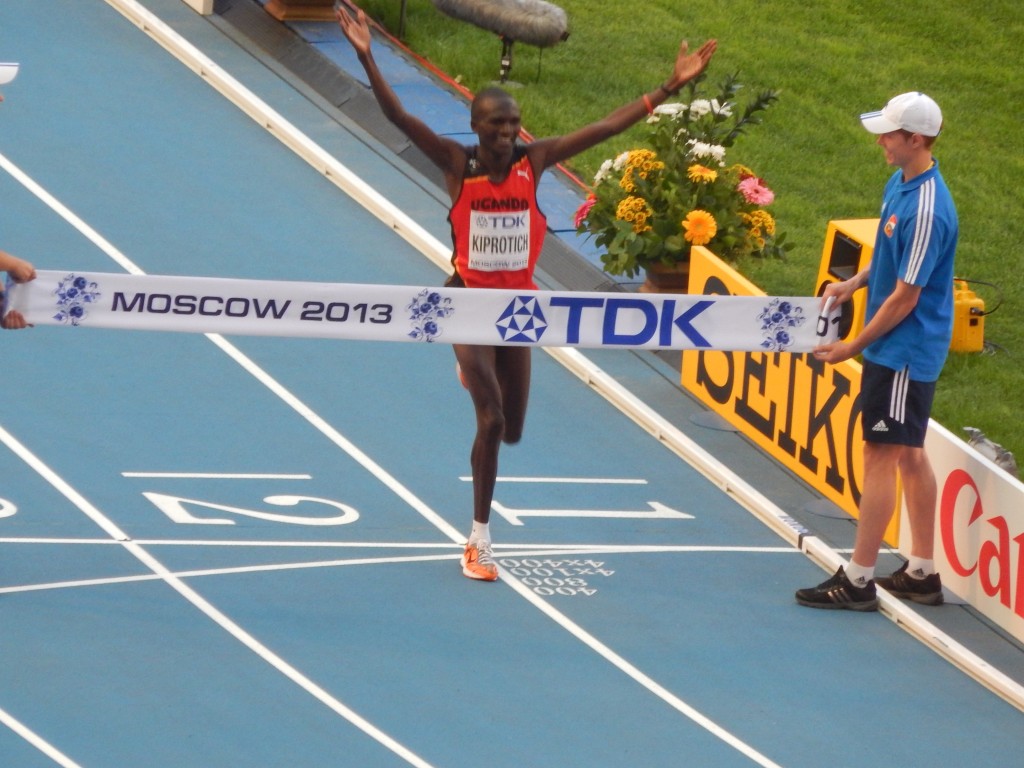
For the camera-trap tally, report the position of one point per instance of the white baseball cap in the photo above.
(912, 112)
(7, 72)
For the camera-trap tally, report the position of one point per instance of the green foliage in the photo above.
(830, 62)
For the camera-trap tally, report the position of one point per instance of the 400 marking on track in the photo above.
(557, 577)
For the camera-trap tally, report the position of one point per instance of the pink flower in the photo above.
(755, 191)
(583, 210)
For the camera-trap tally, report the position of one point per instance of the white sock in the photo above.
(480, 532)
(919, 568)
(859, 575)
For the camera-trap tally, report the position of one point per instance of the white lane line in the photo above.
(515, 552)
(221, 619)
(566, 480)
(70, 217)
(636, 674)
(218, 475)
(514, 549)
(36, 740)
(197, 573)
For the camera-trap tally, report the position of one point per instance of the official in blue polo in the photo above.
(904, 343)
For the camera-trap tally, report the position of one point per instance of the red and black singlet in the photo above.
(498, 228)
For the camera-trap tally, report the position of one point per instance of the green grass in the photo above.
(831, 61)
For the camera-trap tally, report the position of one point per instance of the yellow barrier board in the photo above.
(804, 413)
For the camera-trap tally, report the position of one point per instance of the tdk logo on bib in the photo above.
(522, 320)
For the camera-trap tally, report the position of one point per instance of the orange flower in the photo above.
(700, 227)
(699, 173)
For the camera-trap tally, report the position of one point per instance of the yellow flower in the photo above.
(760, 222)
(639, 157)
(649, 166)
(642, 162)
(636, 211)
(699, 173)
(700, 227)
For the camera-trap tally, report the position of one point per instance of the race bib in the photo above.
(499, 241)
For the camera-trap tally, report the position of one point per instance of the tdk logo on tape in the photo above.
(522, 320)
(616, 322)
(659, 321)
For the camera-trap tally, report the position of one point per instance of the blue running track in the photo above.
(244, 552)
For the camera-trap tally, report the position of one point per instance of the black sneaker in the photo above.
(927, 591)
(839, 592)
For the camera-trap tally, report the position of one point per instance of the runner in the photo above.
(498, 230)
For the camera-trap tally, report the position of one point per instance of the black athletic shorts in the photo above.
(894, 409)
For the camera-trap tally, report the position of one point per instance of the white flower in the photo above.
(602, 172)
(700, 150)
(725, 110)
(620, 161)
(699, 108)
(673, 110)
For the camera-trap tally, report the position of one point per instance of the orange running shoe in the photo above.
(478, 562)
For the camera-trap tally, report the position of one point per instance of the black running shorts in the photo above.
(894, 408)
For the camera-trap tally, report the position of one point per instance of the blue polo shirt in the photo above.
(916, 241)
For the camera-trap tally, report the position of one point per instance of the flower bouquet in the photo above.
(649, 205)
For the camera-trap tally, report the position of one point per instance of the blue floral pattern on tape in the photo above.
(73, 294)
(777, 320)
(426, 310)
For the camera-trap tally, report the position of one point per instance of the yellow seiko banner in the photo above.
(804, 413)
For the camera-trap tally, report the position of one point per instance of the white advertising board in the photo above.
(979, 531)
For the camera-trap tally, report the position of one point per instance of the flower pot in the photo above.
(666, 279)
(301, 10)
